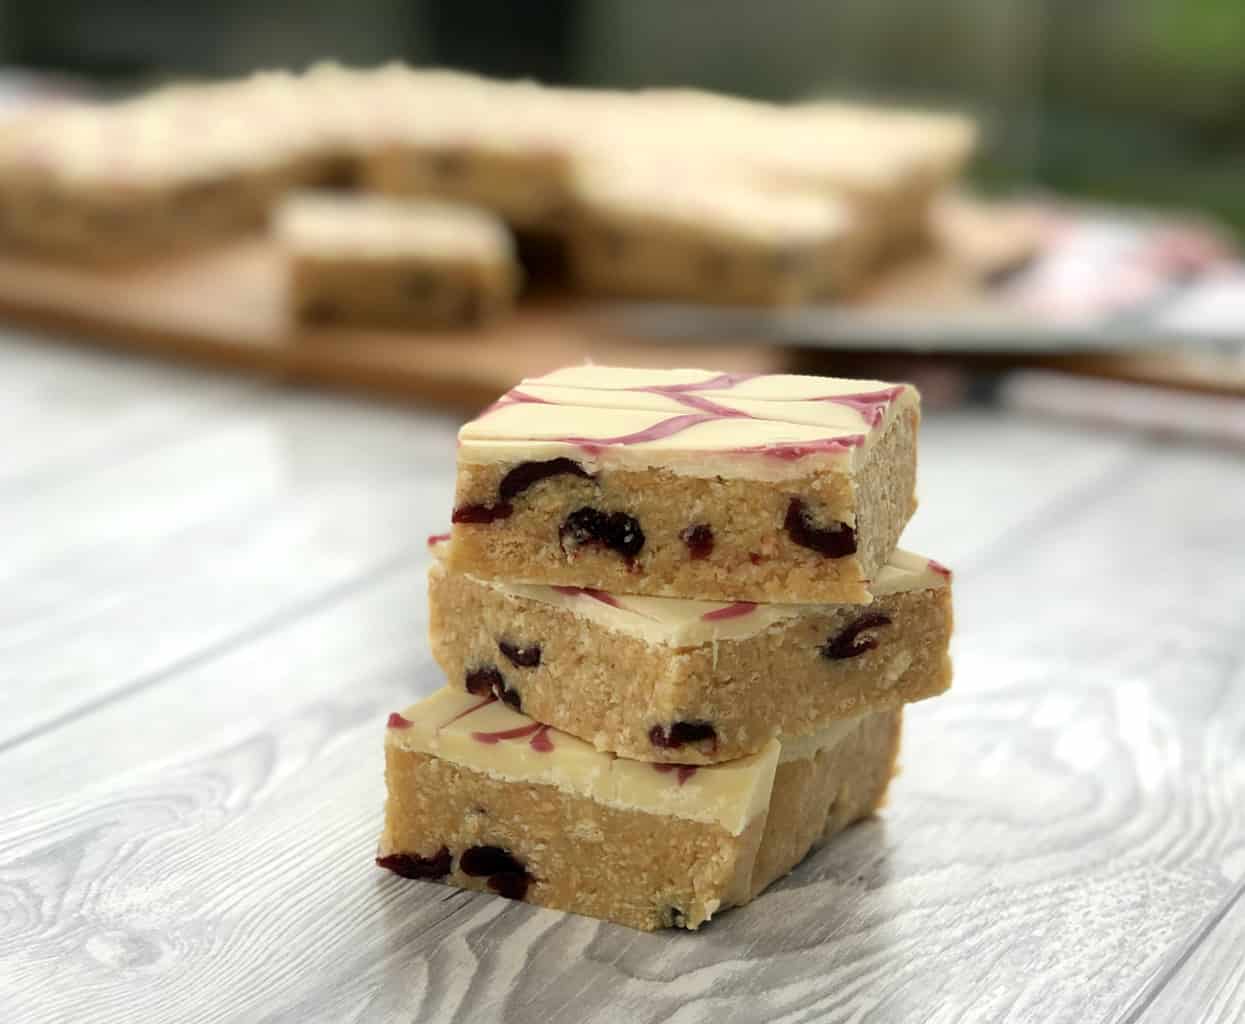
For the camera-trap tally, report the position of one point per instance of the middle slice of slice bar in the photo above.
(692, 682)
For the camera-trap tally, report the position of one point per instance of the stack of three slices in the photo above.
(678, 636)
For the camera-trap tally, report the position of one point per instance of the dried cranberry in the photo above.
(410, 865)
(511, 884)
(512, 485)
(520, 657)
(849, 643)
(673, 917)
(481, 513)
(485, 681)
(615, 530)
(699, 540)
(681, 733)
(489, 860)
(834, 541)
(525, 474)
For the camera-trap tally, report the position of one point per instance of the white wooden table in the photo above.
(211, 594)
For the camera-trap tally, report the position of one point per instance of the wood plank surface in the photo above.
(147, 558)
(222, 618)
(1208, 987)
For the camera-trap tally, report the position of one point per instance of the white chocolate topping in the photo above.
(800, 748)
(486, 736)
(696, 422)
(714, 205)
(682, 623)
(378, 226)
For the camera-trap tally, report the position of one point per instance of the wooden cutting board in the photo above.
(226, 307)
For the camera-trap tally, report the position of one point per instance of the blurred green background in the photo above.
(1128, 101)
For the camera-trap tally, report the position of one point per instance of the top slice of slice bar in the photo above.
(688, 483)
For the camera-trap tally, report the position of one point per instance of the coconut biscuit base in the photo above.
(482, 797)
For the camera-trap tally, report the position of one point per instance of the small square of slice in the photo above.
(482, 797)
(688, 483)
(395, 262)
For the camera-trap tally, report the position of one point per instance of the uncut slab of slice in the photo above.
(482, 797)
(367, 259)
(647, 232)
(688, 483)
(697, 682)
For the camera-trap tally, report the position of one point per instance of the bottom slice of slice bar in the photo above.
(483, 797)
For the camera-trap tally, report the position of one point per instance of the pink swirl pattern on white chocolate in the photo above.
(871, 405)
(469, 711)
(539, 737)
(791, 452)
(592, 592)
(785, 408)
(657, 432)
(731, 611)
(685, 771)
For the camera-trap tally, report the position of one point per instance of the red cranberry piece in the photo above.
(489, 860)
(487, 681)
(520, 657)
(699, 540)
(526, 474)
(481, 513)
(681, 733)
(397, 721)
(511, 884)
(410, 865)
(849, 643)
(484, 682)
(834, 541)
(615, 530)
